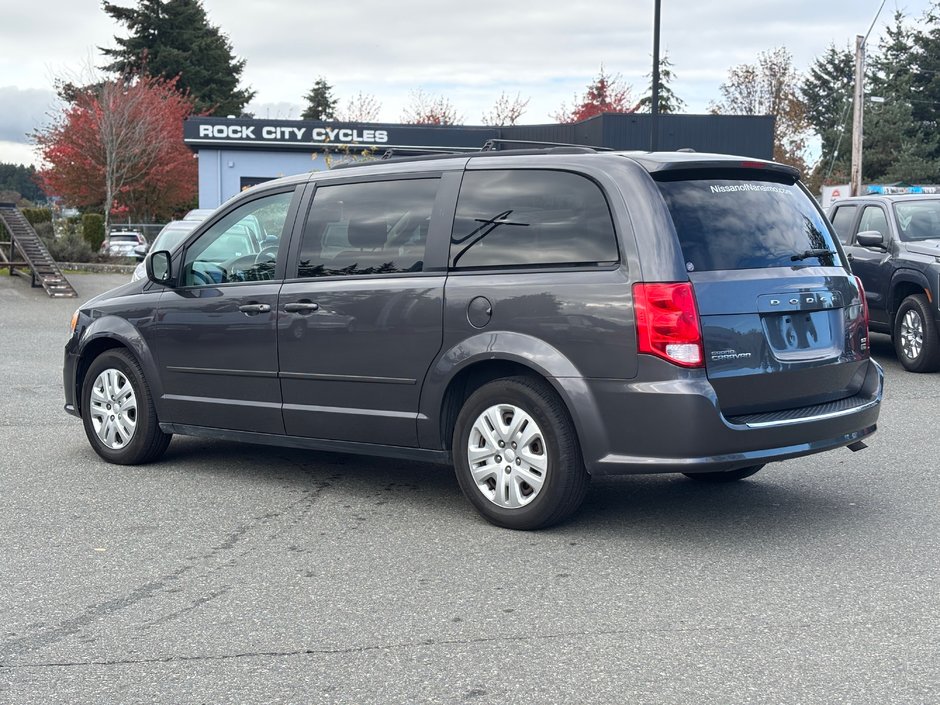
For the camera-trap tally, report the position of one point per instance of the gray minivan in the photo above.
(534, 317)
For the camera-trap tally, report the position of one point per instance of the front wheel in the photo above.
(915, 335)
(517, 456)
(118, 413)
(727, 476)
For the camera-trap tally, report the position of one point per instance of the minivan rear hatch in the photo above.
(782, 318)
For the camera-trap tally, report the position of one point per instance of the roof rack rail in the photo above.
(494, 144)
(405, 154)
(393, 152)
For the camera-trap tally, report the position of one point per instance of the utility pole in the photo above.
(654, 108)
(857, 116)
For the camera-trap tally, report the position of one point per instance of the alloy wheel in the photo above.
(912, 334)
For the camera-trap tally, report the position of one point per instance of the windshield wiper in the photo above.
(806, 254)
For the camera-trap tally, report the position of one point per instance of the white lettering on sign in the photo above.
(270, 132)
(282, 133)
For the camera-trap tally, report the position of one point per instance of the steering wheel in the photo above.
(200, 278)
(267, 254)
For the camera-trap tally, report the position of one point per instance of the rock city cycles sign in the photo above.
(258, 133)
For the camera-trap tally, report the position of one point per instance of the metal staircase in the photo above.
(25, 243)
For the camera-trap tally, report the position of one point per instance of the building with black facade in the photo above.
(237, 153)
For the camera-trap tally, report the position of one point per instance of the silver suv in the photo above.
(534, 318)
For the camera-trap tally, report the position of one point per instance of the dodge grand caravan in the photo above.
(534, 317)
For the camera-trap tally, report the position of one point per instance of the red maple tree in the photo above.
(607, 93)
(118, 145)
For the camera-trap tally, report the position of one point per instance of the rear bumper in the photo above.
(677, 426)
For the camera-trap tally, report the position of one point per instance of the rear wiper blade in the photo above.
(806, 254)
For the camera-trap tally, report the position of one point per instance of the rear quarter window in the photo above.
(531, 218)
(745, 221)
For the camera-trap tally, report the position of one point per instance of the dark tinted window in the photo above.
(873, 218)
(373, 228)
(746, 223)
(918, 220)
(531, 218)
(842, 220)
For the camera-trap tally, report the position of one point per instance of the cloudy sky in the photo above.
(468, 51)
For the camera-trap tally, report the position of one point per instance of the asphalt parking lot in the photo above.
(230, 573)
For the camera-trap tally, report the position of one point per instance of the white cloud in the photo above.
(18, 153)
(469, 52)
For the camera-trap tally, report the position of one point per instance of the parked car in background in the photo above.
(121, 243)
(532, 317)
(172, 234)
(199, 214)
(893, 244)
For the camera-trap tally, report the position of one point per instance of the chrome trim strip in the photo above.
(218, 371)
(818, 417)
(385, 413)
(346, 378)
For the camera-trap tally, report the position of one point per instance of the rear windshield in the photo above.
(727, 222)
(123, 238)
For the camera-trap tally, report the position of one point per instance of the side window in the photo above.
(379, 227)
(241, 247)
(526, 218)
(873, 218)
(842, 221)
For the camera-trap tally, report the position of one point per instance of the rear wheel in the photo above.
(517, 456)
(915, 335)
(118, 413)
(727, 476)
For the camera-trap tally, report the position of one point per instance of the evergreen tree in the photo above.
(827, 91)
(669, 102)
(21, 179)
(921, 76)
(897, 147)
(170, 38)
(321, 105)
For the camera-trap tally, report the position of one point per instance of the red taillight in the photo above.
(667, 323)
(861, 293)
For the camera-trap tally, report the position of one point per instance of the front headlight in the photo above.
(74, 322)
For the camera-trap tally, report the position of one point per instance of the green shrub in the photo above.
(93, 230)
(45, 231)
(38, 215)
(72, 247)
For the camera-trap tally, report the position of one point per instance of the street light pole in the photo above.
(654, 108)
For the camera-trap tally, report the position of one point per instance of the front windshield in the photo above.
(918, 220)
(169, 239)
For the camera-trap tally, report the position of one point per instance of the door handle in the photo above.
(254, 308)
(302, 307)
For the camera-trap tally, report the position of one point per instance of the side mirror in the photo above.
(140, 252)
(158, 267)
(870, 238)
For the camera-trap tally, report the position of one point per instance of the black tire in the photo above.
(564, 480)
(915, 335)
(147, 442)
(726, 476)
